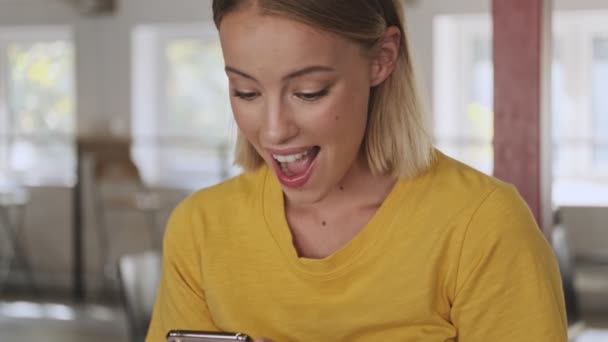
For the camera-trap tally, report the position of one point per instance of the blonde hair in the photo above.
(396, 141)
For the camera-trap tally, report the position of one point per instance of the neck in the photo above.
(359, 188)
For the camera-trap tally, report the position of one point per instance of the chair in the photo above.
(13, 200)
(118, 188)
(565, 260)
(139, 275)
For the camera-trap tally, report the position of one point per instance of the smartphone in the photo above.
(205, 336)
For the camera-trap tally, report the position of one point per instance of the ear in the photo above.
(385, 55)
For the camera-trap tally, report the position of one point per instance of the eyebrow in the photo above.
(294, 74)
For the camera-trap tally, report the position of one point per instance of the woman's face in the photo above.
(300, 96)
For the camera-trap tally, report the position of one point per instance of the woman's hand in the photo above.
(262, 339)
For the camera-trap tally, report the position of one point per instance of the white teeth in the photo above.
(289, 158)
(285, 169)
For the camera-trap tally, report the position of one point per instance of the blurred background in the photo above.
(112, 111)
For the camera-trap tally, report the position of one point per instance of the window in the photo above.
(579, 109)
(464, 81)
(182, 121)
(600, 100)
(463, 99)
(37, 105)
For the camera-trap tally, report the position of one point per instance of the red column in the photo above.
(521, 125)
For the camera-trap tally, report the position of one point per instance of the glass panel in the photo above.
(197, 91)
(483, 82)
(480, 117)
(600, 100)
(41, 84)
(4, 127)
(198, 120)
(41, 98)
(463, 88)
(566, 142)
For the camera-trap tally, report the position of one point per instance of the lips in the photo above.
(294, 167)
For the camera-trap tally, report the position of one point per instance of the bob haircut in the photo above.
(396, 140)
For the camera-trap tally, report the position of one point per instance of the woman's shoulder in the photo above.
(241, 186)
(225, 199)
(461, 193)
(459, 180)
(489, 202)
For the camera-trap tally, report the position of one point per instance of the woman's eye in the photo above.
(310, 97)
(246, 95)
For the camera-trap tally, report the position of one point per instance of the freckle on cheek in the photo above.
(337, 118)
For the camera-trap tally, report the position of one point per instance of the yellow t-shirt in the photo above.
(452, 255)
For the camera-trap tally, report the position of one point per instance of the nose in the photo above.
(279, 126)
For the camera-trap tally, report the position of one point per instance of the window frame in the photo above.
(10, 133)
(576, 37)
(462, 30)
(594, 29)
(154, 167)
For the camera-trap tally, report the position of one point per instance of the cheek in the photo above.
(245, 120)
(346, 116)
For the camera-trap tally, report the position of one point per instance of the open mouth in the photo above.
(295, 169)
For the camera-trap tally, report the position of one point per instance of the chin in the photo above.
(304, 196)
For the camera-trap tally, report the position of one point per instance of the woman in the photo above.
(348, 225)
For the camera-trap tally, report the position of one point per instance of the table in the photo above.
(95, 147)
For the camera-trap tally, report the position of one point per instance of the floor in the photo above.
(61, 322)
(592, 335)
(594, 329)
(64, 322)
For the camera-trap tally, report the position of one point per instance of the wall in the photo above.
(103, 57)
(102, 48)
(420, 26)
